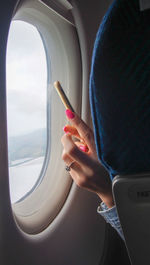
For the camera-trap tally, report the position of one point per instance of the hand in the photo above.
(86, 170)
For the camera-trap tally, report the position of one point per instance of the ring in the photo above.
(68, 168)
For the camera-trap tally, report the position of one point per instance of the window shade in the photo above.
(62, 7)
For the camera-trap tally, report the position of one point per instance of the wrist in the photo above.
(107, 199)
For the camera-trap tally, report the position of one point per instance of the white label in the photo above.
(144, 4)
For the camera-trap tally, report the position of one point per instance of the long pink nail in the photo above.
(70, 114)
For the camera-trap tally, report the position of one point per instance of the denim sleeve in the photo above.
(110, 215)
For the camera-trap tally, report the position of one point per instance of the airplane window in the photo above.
(26, 108)
(42, 47)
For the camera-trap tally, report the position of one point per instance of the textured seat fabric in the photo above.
(120, 89)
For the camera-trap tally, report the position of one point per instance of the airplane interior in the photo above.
(45, 218)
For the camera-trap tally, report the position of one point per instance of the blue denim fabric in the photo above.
(110, 215)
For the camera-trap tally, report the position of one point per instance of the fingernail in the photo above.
(70, 114)
(65, 129)
(83, 148)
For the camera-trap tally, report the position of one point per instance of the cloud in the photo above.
(23, 36)
(26, 79)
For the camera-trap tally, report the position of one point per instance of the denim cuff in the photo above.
(110, 215)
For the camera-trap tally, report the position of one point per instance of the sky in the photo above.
(26, 76)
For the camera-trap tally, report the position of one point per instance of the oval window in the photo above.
(26, 108)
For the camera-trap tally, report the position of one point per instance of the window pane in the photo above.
(26, 107)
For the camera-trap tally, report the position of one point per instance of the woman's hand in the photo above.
(86, 170)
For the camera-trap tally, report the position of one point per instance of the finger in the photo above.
(83, 147)
(72, 130)
(66, 158)
(74, 166)
(85, 132)
(73, 151)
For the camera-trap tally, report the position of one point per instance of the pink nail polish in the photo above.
(65, 129)
(83, 148)
(70, 114)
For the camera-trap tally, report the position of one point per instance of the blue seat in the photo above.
(120, 89)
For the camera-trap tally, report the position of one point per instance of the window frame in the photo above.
(37, 210)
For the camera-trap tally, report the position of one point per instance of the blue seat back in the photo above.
(120, 89)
